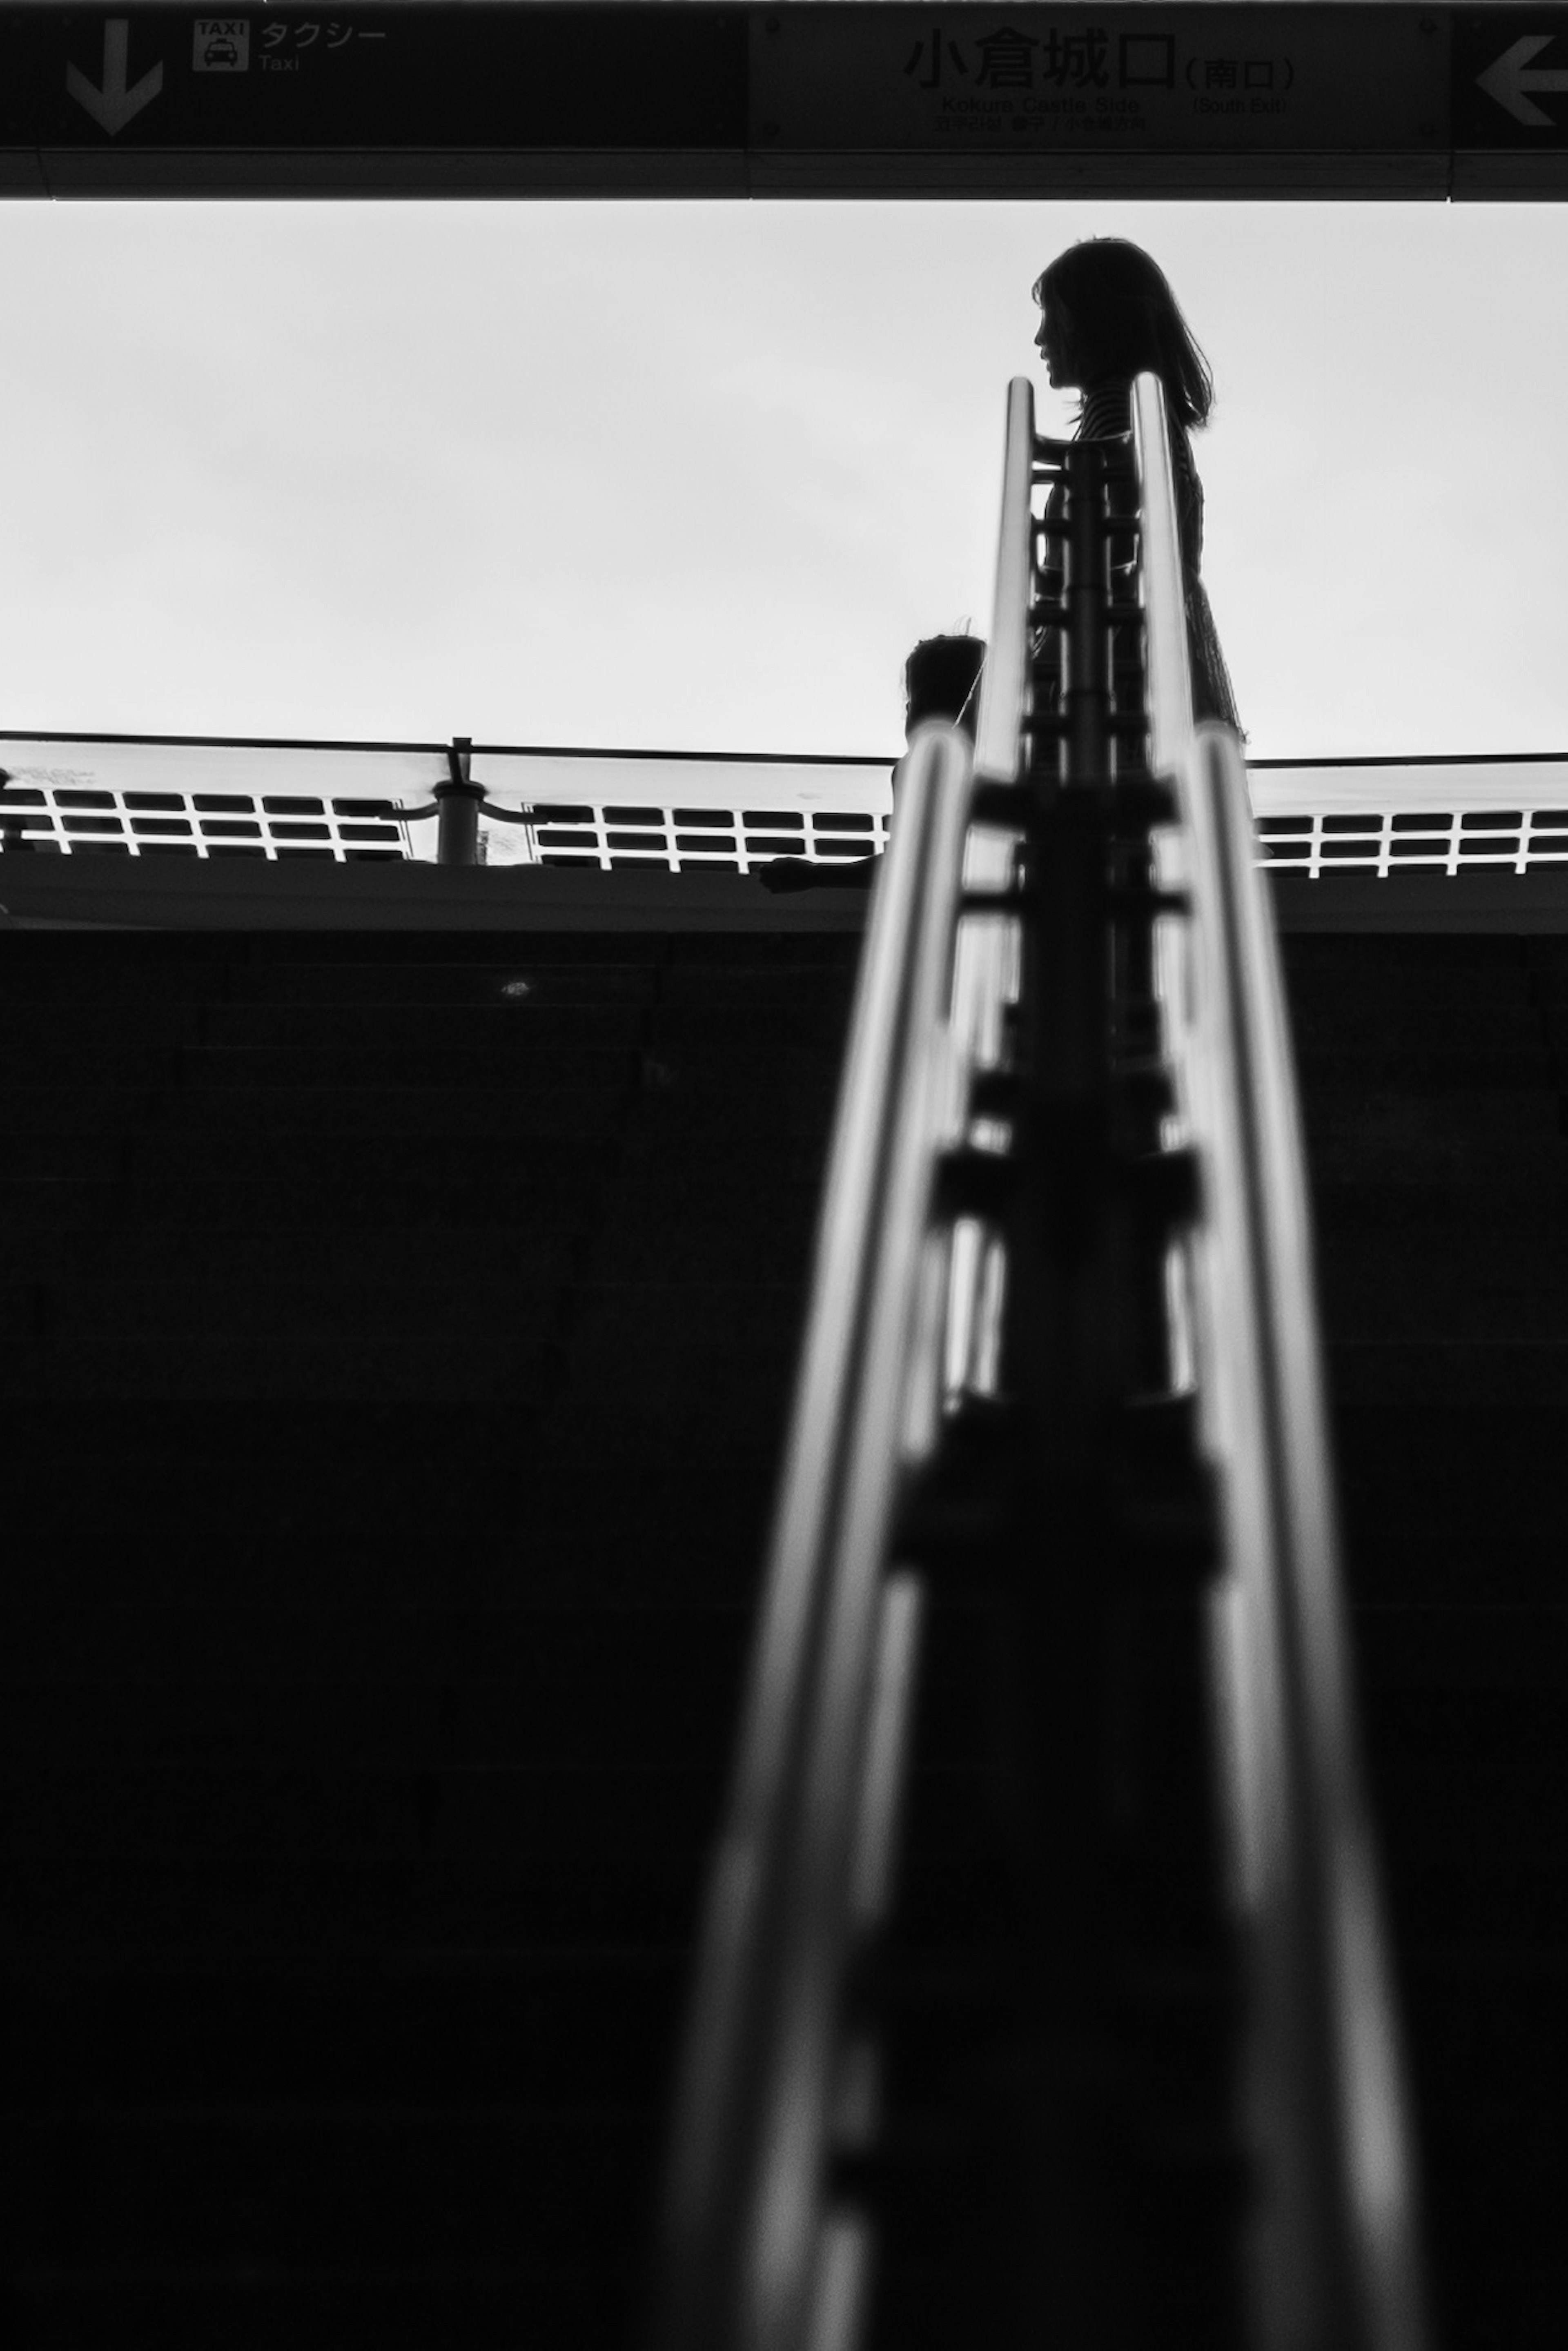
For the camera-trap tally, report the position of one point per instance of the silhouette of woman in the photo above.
(1107, 315)
(941, 680)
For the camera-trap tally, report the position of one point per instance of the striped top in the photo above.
(1107, 410)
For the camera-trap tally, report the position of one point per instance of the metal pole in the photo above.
(457, 827)
(13, 841)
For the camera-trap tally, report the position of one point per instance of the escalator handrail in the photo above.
(737, 2244)
(1334, 2254)
(1004, 681)
(1162, 589)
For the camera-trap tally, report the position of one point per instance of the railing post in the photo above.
(1004, 678)
(13, 841)
(1088, 696)
(457, 829)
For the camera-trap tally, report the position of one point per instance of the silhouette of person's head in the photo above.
(1107, 313)
(941, 679)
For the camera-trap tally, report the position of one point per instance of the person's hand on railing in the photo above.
(786, 873)
(782, 873)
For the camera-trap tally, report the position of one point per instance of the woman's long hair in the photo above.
(1118, 317)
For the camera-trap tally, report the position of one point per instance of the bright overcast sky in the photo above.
(695, 476)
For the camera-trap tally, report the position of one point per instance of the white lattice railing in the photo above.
(1380, 816)
(144, 797)
(140, 796)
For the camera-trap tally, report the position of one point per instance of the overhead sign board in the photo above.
(1099, 80)
(689, 97)
(447, 98)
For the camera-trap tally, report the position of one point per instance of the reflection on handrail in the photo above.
(1335, 2257)
(1004, 680)
(987, 960)
(1334, 2250)
(1161, 589)
(750, 2246)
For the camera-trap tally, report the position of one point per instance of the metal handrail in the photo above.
(747, 2249)
(755, 2250)
(1161, 588)
(986, 957)
(1004, 681)
(1333, 2246)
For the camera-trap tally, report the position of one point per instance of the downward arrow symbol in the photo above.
(112, 107)
(1507, 81)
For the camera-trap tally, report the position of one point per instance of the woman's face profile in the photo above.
(1052, 344)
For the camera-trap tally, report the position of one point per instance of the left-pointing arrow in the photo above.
(1511, 79)
(112, 106)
